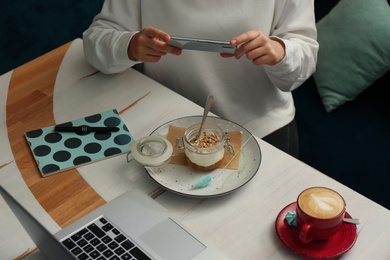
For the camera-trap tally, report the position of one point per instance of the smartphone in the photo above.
(202, 45)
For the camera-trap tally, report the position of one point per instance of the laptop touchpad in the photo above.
(171, 241)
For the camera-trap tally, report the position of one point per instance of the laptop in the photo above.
(131, 226)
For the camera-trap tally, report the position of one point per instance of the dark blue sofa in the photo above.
(351, 144)
(29, 29)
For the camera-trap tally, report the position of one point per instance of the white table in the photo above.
(241, 224)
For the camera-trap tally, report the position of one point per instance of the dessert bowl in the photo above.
(204, 153)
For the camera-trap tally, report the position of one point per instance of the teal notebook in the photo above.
(55, 152)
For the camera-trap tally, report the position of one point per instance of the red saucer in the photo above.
(334, 247)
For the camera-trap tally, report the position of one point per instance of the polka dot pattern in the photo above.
(57, 151)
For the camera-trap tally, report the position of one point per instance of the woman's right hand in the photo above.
(149, 45)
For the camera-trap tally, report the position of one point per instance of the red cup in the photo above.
(327, 218)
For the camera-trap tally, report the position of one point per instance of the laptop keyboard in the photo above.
(101, 240)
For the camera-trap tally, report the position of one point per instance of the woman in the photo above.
(276, 52)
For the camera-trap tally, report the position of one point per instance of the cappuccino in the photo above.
(321, 203)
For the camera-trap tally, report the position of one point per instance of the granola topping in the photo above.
(206, 140)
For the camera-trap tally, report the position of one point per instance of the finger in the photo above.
(159, 48)
(155, 42)
(246, 48)
(153, 55)
(226, 55)
(171, 49)
(256, 53)
(155, 52)
(156, 33)
(260, 57)
(261, 60)
(247, 36)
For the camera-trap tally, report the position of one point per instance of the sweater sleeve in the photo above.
(106, 40)
(296, 27)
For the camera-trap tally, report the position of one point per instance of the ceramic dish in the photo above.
(334, 247)
(181, 179)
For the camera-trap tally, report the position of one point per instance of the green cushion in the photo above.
(354, 49)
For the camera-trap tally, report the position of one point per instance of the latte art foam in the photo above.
(321, 203)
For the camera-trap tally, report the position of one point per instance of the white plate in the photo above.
(180, 179)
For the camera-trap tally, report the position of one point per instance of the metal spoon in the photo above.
(209, 102)
(355, 221)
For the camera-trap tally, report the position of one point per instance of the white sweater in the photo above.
(257, 97)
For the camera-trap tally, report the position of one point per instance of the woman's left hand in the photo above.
(258, 48)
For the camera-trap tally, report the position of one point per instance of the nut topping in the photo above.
(206, 140)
